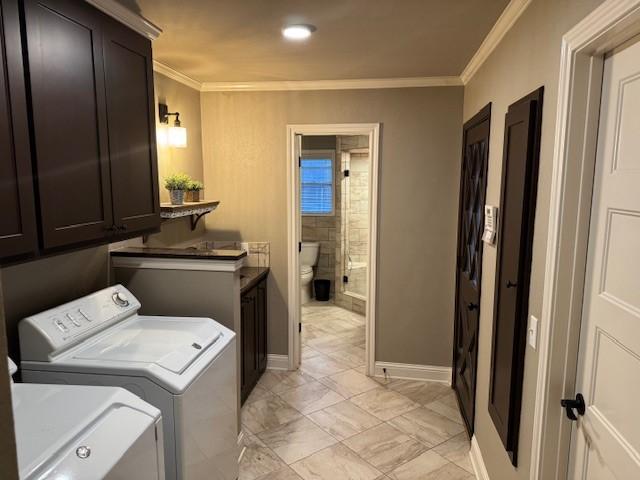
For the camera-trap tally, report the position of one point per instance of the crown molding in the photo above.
(176, 75)
(349, 84)
(132, 20)
(507, 19)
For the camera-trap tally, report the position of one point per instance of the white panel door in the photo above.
(606, 440)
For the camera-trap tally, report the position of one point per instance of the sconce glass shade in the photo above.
(162, 136)
(177, 137)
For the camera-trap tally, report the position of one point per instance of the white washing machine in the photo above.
(85, 433)
(184, 366)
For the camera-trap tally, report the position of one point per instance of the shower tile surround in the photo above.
(350, 212)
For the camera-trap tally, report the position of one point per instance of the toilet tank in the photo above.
(309, 253)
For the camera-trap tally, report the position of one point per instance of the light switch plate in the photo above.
(532, 332)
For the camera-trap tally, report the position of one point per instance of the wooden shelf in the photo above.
(195, 210)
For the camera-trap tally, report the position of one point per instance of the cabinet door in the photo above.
(66, 74)
(248, 336)
(17, 222)
(262, 325)
(130, 112)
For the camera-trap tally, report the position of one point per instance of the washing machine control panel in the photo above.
(55, 330)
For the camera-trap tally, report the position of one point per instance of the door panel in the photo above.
(66, 74)
(132, 147)
(607, 438)
(473, 184)
(17, 223)
(518, 200)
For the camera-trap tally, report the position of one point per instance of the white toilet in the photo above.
(308, 260)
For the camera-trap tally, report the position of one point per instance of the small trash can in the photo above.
(322, 289)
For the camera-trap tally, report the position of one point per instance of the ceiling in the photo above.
(240, 40)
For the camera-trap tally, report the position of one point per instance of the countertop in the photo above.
(190, 253)
(250, 276)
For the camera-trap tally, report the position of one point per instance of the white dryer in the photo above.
(184, 366)
(85, 433)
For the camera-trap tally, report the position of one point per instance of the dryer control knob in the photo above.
(121, 299)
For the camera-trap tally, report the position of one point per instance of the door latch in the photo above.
(572, 406)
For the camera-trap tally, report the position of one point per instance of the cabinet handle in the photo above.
(511, 284)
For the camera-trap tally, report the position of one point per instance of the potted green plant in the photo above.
(177, 183)
(193, 191)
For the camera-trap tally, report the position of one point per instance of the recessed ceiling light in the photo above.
(298, 32)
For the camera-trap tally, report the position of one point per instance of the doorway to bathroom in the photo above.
(332, 237)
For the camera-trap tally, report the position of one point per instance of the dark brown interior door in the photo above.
(473, 186)
(518, 199)
(18, 234)
(131, 119)
(64, 42)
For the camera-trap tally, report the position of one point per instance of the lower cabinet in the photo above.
(253, 315)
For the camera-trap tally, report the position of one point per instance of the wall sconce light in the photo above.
(174, 136)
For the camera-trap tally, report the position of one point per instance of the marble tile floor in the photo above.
(328, 421)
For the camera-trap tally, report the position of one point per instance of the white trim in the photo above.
(507, 19)
(177, 264)
(176, 75)
(132, 20)
(477, 462)
(277, 362)
(407, 371)
(294, 235)
(347, 84)
(583, 48)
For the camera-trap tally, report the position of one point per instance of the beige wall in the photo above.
(528, 57)
(245, 168)
(186, 100)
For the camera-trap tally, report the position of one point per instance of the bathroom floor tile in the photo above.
(385, 447)
(259, 461)
(258, 393)
(296, 440)
(343, 420)
(418, 391)
(322, 366)
(285, 473)
(350, 355)
(427, 426)
(384, 404)
(268, 413)
(349, 383)
(420, 468)
(337, 462)
(456, 450)
(311, 397)
(278, 381)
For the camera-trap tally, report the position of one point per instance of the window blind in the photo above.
(316, 176)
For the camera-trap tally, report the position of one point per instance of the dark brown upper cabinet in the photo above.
(18, 232)
(93, 128)
(131, 120)
(515, 244)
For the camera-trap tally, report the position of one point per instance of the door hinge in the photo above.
(345, 279)
(299, 161)
(299, 247)
(346, 173)
(299, 327)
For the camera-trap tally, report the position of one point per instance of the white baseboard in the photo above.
(408, 371)
(277, 362)
(477, 462)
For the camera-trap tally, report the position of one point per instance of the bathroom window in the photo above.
(316, 183)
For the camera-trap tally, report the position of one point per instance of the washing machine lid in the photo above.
(171, 343)
(52, 422)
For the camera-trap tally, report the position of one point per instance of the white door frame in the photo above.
(583, 51)
(294, 228)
